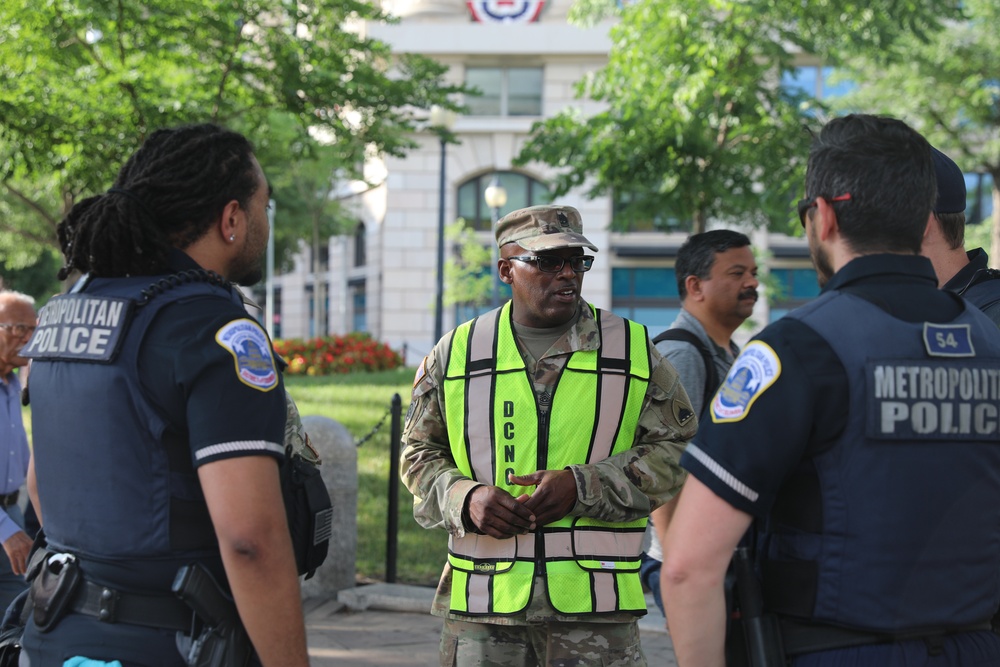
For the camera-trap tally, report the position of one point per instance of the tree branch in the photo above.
(33, 205)
(226, 69)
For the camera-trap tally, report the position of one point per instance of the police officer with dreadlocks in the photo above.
(158, 415)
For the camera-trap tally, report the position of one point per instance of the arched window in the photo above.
(521, 190)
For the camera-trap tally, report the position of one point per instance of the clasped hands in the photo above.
(496, 513)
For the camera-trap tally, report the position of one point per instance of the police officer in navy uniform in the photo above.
(958, 270)
(859, 436)
(158, 413)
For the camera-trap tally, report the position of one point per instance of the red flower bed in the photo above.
(355, 352)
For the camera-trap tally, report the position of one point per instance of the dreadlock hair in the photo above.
(165, 196)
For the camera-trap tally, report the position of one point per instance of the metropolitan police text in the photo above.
(937, 399)
(77, 325)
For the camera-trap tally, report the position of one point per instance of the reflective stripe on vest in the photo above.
(495, 427)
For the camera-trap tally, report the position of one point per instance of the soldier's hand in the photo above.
(554, 496)
(17, 547)
(498, 514)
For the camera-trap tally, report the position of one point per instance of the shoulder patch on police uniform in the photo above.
(752, 373)
(948, 340)
(247, 342)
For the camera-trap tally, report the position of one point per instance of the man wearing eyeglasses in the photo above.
(17, 323)
(540, 436)
(857, 438)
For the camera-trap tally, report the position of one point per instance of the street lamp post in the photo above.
(496, 197)
(441, 120)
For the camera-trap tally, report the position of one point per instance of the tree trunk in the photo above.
(699, 222)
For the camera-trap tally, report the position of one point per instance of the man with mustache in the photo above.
(856, 438)
(717, 282)
(540, 436)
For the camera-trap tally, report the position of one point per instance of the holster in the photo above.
(53, 588)
(212, 648)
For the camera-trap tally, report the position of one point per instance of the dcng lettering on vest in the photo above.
(933, 399)
(508, 435)
(79, 327)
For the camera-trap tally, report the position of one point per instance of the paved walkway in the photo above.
(388, 625)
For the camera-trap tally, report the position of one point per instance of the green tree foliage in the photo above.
(82, 82)
(947, 85)
(467, 274)
(697, 125)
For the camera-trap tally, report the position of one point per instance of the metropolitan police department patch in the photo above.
(755, 370)
(247, 342)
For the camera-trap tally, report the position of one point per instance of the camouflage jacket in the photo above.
(622, 487)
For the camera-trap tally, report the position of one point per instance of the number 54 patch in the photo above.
(948, 340)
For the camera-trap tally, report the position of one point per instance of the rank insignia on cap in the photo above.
(247, 342)
(754, 371)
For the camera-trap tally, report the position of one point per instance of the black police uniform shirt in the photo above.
(978, 283)
(803, 410)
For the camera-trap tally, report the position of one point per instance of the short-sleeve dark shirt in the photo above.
(195, 382)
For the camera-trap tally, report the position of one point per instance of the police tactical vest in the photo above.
(110, 485)
(496, 427)
(903, 530)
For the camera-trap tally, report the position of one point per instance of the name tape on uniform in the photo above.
(79, 327)
(247, 342)
(930, 399)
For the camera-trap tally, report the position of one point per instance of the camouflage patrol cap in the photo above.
(543, 228)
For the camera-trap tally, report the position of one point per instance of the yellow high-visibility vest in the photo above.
(495, 427)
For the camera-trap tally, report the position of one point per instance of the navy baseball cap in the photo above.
(950, 183)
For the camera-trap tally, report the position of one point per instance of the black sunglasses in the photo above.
(555, 264)
(806, 204)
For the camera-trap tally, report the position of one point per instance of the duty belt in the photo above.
(152, 611)
(9, 499)
(799, 637)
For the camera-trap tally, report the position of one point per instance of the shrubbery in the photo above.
(355, 352)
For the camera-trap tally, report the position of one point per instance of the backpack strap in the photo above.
(711, 375)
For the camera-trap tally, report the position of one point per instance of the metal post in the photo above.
(494, 258)
(392, 526)
(269, 285)
(439, 297)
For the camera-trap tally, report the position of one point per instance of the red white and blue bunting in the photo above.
(505, 11)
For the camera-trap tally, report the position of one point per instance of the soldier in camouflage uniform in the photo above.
(512, 490)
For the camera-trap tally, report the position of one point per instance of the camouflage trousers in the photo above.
(465, 644)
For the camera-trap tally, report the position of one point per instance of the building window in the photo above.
(816, 82)
(791, 288)
(629, 215)
(359, 310)
(360, 249)
(324, 258)
(647, 295)
(317, 321)
(522, 191)
(506, 91)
